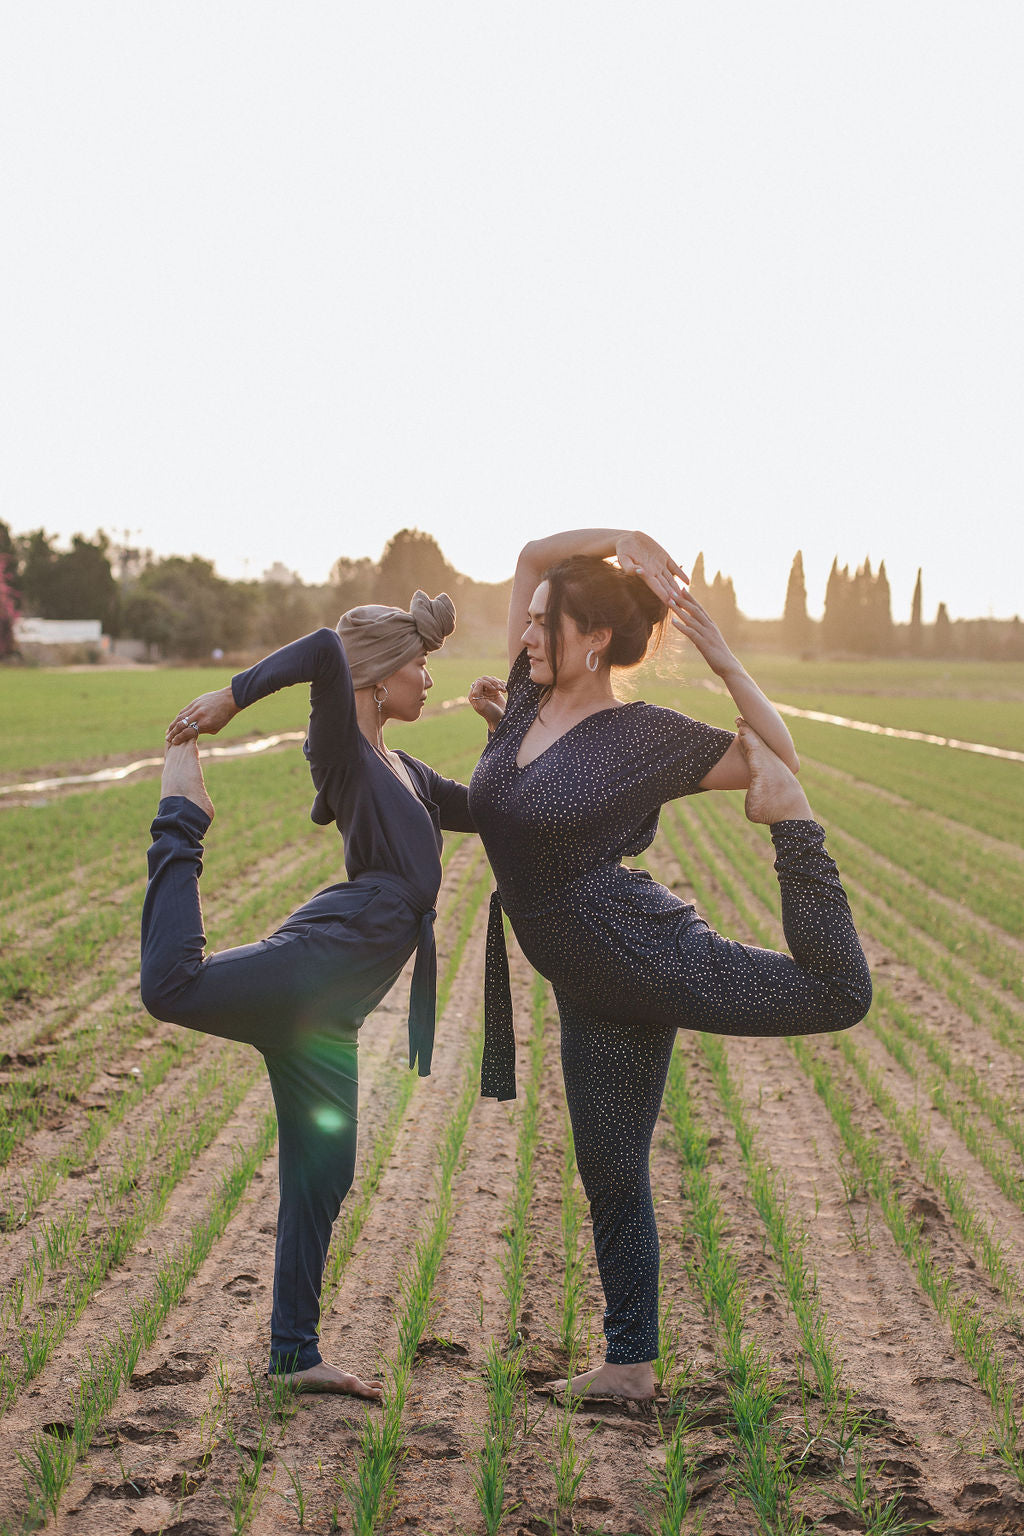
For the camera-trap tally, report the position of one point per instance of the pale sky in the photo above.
(280, 279)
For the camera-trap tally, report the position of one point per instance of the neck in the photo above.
(588, 691)
(371, 721)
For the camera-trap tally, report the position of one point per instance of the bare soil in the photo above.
(168, 1457)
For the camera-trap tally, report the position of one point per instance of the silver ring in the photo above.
(193, 725)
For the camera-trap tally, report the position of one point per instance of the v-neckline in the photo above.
(409, 788)
(610, 709)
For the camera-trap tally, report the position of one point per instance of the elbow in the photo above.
(531, 558)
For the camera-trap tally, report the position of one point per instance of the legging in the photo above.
(292, 996)
(615, 1070)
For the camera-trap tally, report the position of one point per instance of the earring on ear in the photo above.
(380, 702)
(593, 661)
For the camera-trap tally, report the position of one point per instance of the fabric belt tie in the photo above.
(423, 997)
(498, 1067)
(423, 992)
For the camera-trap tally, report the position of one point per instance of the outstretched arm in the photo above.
(731, 771)
(318, 659)
(633, 550)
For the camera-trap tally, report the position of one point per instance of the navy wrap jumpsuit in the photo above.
(629, 962)
(301, 995)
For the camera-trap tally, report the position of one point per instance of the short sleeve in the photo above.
(450, 797)
(680, 751)
(520, 694)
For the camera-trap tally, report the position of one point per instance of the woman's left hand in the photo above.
(643, 556)
(699, 627)
(209, 713)
(486, 697)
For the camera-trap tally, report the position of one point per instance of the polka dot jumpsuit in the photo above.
(629, 962)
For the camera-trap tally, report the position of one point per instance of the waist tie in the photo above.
(423, 992)
(498, 1067)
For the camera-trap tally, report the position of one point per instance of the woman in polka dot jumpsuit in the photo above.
(570, 782)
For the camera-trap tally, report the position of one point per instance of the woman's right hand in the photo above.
(486, 697)
(209, 713)
(643, 556)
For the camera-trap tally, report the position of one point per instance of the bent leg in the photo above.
(316, 1094)
(614, 1081)
(245, 993)
(824, 983)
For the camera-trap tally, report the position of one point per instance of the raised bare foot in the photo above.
(633, 1381)
(182, 775)
(328, 1378)
(775, 793)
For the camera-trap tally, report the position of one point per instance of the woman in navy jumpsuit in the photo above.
(571, 782)
(301, 995)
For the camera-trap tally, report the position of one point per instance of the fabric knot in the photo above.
(498, 1067)
(423, 997)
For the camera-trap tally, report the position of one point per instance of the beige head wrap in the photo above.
(378, 640)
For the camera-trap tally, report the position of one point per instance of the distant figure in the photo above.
(572, 781)
(301, 995)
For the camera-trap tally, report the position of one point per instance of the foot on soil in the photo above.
(635, 1382)
(775, 793)
(183, 776)
(328, 1378)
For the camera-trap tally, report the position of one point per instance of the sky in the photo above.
(282, 279)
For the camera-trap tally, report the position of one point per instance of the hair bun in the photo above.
(434, 618)
(650, 604)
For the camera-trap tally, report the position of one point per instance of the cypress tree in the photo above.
(916, 635)
(835, 623)
(796, 626)
(883, 612)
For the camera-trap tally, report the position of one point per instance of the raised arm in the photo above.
(731, 770)
(634, 551)
(318, 659)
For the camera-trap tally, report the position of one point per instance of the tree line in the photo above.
(179, 607)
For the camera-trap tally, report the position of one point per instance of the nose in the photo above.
(428, 681)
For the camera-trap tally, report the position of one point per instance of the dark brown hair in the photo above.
(596, 595)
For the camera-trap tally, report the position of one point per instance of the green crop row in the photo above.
(50, 1459)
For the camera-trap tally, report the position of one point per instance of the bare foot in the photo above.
(775, 793)
(183, 776)
(328, 1378)
(632, 1381)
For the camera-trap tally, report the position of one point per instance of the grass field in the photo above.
(842, 1218)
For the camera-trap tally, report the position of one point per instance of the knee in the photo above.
(614, 1181)
(162, 994)
(854, 1000)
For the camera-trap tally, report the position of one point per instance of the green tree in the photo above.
(881, 609)
(8, 610)
(183, 608)
(412, 559)
(79, 584)
(353, 582)
(942, 634)
(796, 625)
(9, 561)
(36, 559)
(836, 628)
(915, 637)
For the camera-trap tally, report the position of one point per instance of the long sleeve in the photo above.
(318, 659)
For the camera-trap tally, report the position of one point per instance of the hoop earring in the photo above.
(593, 661)
(380, 702)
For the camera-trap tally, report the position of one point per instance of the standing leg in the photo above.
(614, 1080)
(316, 1094)
(289, 995)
